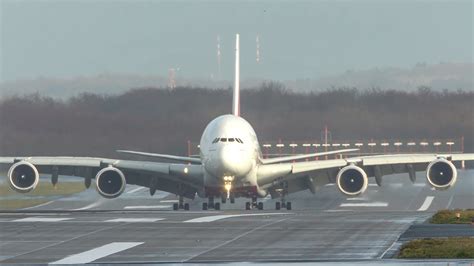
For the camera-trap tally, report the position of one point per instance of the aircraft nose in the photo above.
(233, 161)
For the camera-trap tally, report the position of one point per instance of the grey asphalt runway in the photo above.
(327, 226)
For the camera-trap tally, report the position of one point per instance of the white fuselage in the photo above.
(229, 148)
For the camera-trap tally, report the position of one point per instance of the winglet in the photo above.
(236, 95)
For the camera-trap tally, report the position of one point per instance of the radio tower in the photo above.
(218, 57)
(257, 58)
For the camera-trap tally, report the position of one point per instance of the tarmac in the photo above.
(325, 227)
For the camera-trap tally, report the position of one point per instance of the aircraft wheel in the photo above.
(175, 206)
(247, 206)
(204, 206)
(288, 206)
(277, 205)
(186, 206)
(223, 200)
(217, 206)
(260, 205)
(232, 200)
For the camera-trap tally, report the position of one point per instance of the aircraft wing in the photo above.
(313, 174)
(162, 176)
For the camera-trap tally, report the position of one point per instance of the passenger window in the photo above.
(224, 139)
(231, 140)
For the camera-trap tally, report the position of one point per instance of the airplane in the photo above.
(231, 165)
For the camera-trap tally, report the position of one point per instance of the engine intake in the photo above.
(110, 182)
(23, 177)
(352, 180)
(441, 174)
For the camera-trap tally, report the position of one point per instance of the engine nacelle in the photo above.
(352, 180)
(110, 182)
(441, 174)
(23, 177)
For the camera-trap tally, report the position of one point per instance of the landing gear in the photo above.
(254, 204)
(181, 205)
(210, 204)
(283, 191)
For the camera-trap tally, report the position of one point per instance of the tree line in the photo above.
(162, 120)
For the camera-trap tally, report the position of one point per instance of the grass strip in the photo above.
(449, 217)
(438, 248)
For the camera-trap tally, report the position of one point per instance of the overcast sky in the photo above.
(298, 39)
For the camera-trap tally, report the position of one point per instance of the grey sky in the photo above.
(298, 39)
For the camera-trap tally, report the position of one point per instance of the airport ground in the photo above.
(137, 228)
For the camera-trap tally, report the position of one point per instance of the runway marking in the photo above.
(169, 201)
(419, 184)
(148, 207)
(134, 220)
(426, 204)
(236, 238)
(90, 206)
(97, 253)
(135, 190)
(373, 185)
(330, 185)
(213, 218)
(362, 199)
(450, 201)
(41, 219)
(367, 204)
(40, 205)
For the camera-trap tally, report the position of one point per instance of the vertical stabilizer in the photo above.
(236, 95)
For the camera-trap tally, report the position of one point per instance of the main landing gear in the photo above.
(283, 191)
(181, 205)
(211, 205)
(254, 204)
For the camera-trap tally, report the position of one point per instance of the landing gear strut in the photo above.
(211, 204)
(181, 205)
(254, 204)
(283, 191)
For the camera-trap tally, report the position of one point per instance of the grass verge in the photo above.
(449, 217)
(45, 188)
(438, 248)
(30, 199)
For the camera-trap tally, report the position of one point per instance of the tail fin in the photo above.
(236, 96)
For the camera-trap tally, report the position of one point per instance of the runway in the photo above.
(139, 228)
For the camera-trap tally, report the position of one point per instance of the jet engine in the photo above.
(441, 174)
(23, 177)
(352, 180)
(110, 182)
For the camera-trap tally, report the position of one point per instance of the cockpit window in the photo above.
(239, 140)
(223, 139)
(231, 139)
(215, 140)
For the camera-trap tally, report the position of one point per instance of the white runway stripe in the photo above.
(97, 253)
(147, 207)
(426, 204)
(169, 201)
(365, 204)
(41, 219)
(135, 190)
(134, 220)
(213, 218)
(40, 205)
(90, 206)
(361, 199)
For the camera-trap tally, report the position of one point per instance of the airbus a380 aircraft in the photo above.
(230, 166)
